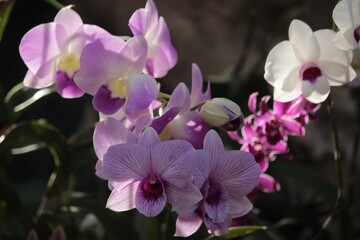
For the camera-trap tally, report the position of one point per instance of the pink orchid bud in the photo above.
(222, 112)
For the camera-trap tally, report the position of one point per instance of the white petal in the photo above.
(316, 92)
(301, 36)
(279, 64)
(282, 96)
(345, 39)
(342, 14)
(328, 51)
(292, 81)
(343, 79)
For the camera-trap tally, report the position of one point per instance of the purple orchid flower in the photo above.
(178, 121)
(254, 141)
(224, 179)
(52, 51)
(276, 124)
(147, 174)
(161, 56)
(300, 109)
(110, 70)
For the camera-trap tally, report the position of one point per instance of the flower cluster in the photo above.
(301, 71)
(266, 131)
(153, 148)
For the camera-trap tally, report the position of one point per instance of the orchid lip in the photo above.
(357, 34)
(310, 72)
(152, 187)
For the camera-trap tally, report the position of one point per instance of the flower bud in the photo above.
(222, 112)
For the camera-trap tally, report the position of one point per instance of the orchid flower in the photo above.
(224, 179)
(309, 63)
(161, 56)
(115, 79)
(52, 52)
(148, 174)
(178, 121)
(346, 15)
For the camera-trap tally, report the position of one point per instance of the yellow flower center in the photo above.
(119, 88)
(69, 63)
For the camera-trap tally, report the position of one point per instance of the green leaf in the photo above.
(31, 135)
(20, 97)
(5, 10)
(239, 231)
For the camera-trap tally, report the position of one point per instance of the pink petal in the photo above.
(139, 22)
(214, 144)
(69, 19)
(33, 81)
(180, 97)
(239, 208)
(187, 224)
(189, 195)
(138, 53)
(142, 91)
(173, 160)
(149, 138)
(202, 167)
(253, 102)
(292, 126)
(123, 199)
(66, 86)
(100, 63)
(268, 183)
(126, 163)
(110, 132)
(197, 95)
(239, 173)
(189, 126)
(42, 44)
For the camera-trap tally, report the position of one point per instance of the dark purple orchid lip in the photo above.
(310, 72)
(104, 102)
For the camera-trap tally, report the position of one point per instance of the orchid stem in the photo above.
(198, 105)
(55, 4)
(164, 95)
(337, 161)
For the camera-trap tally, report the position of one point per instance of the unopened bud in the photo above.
(222, 112)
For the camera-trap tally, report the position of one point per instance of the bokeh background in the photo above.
(229, 40)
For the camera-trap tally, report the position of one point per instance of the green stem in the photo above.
(164, 95)
(337, 161)
(197, 106)
(55, 4)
